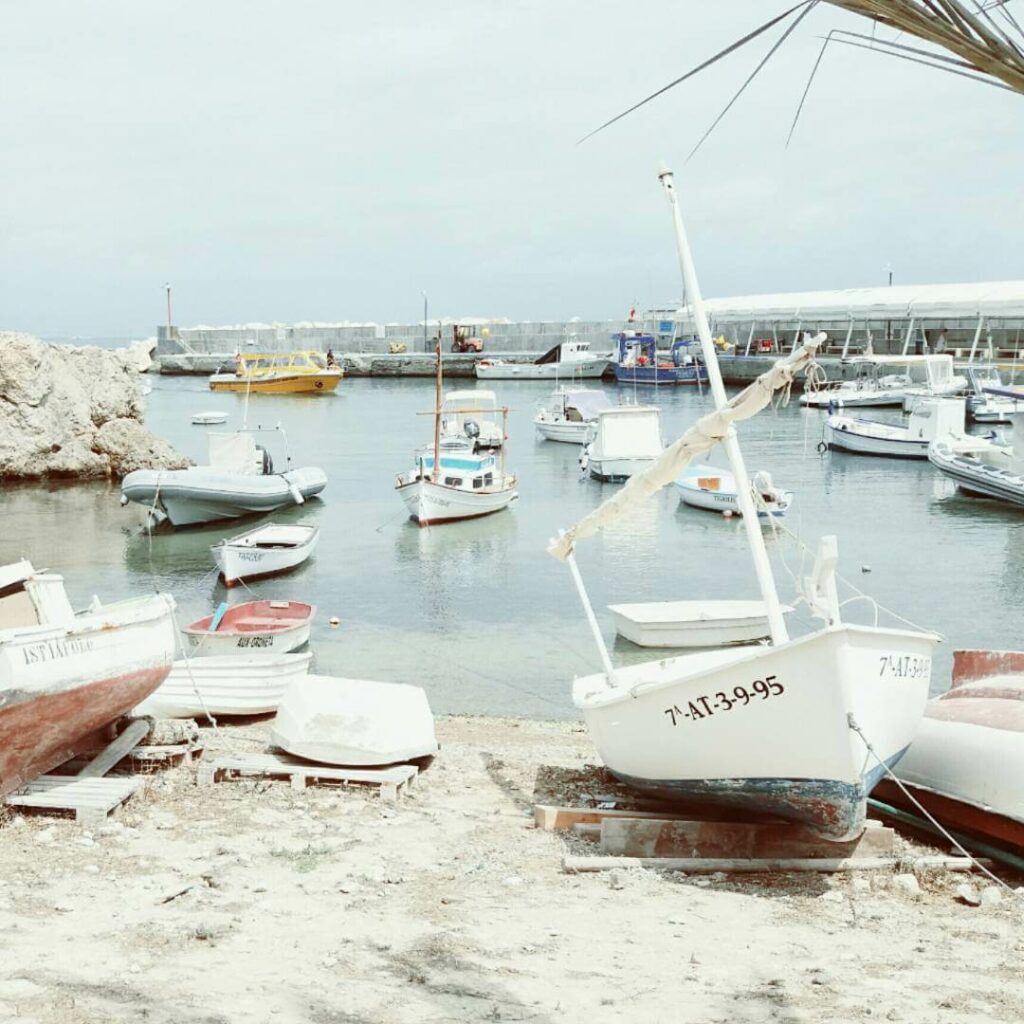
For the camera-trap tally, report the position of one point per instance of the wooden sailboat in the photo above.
(780, 729)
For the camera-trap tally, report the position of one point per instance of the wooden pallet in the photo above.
(391, 782)
(91, 800)
(164, 753)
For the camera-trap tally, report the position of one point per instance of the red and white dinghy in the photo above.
(966, 765)
(272, 626)
(65, 676)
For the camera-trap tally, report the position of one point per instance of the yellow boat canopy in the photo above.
(256, 363)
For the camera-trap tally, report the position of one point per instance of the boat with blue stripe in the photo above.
(639, 362)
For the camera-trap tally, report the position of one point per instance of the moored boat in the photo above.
(278, 626)
(985, 470)
(207, 419)
(570, 414)
(65, 676)
(626, 440)
(692, 623)
(932, 419)
(868, 388)
(982, 405)
(572, 358)
(639, 362)
(279, 373)
(266, 551)
(714, 489)
(473, 416)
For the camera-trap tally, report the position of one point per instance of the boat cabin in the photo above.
(28, 598)
(266, 363)
(569, 351)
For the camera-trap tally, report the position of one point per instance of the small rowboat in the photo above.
(267, 626)
(226, 685)
(354, 722)
(265, 551)
(692, 623)
(714, 489)
(205, 419)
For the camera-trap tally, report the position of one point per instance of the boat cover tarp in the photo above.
(588, 403)
(233, 453)
(707, 432)
(632, 433)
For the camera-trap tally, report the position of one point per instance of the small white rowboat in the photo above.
(692, 623)
(227, 685)
(255, 626)
(206, 419)
(265, 551)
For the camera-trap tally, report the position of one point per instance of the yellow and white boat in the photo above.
(279, 373)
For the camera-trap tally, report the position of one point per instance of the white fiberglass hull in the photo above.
(766, 729)
(239, 561)
(863, 437)
(279, 641)
(430, 504)
(852, 399)
(691, 623)
(543, 371)
(724, 498)
(617, 470)
(564, 430)
(250, 685)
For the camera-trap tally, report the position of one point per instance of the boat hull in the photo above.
(292, 384)
(432, 504)
(681, 728)
(617, 471)
(692, 624)
(660, 374)
(727, 501)
(851, 400)
(848, 438)
(565, 431)
(542, 371)
(973, 476)
(280, 641)
(239, 562)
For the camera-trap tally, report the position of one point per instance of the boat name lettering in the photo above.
(904, 666)
(51, 650)
(741, 696)
(255, 641)
(249, 556)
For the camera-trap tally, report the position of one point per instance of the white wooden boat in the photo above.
(570, 414)
(692, 623)
(967, 761)
(714, 489)
(474, 416)
(354, 722)
(205, 419)
(986, 470)
(626, 440)
(238, 480)
(572, 359)
(265, 551)
(65, 676)
(777, 729)
(454, 481)
(940, 382)
(252, 684)
(932, 419)
(267, 626)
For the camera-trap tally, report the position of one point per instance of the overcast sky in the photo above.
(326, 160)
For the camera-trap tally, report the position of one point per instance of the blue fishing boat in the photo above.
(638, 362)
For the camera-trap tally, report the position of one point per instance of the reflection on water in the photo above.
(477, 612)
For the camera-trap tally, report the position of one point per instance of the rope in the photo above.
(852, 722)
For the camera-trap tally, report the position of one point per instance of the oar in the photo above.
(217, 616)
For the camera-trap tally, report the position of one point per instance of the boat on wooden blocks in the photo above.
(354, 722)
(966, 764)
(64, 676)
(250, 627)
(266, 551)
(225, 685)
(692, 623)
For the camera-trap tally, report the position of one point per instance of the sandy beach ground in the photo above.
(249, 901)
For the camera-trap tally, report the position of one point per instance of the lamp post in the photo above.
(425, 345)
(888, 323)
(167, 288)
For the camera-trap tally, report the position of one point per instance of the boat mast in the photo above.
(762, 567)
(437, 411)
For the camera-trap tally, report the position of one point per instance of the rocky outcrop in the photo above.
(78, 412)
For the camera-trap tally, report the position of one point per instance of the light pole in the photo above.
(425, 345)
(167, 288)
(888, 323)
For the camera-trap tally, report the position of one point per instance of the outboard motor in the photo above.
(765, 486)
(471, 429)
(268, 462)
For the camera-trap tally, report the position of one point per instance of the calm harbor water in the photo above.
(478, 613)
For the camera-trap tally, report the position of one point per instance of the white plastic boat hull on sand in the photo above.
(354, 722)
(692, 623)
(766, 729)
(265, 551)
(431, 504)
(226, 685)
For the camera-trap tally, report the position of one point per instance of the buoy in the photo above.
(727, 513)
(334, 620)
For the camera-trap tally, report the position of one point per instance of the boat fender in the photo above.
(584, 459)
(296, 494)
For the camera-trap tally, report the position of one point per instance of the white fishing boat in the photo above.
(572, 358)
(209, 419)
(939, 381)
(711, 488)
(868, 388)
(252, 684)
(570, 414)
(265, 551)
(932, 419)
(64, 675)
(780, 729)
(354, 722)
(453, 481)
(987, 470)
(626, 440)
(473, 416)
(238, 480)
(692, 623)
(982, 405)
(267, 626)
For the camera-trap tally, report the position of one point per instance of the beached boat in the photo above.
(473, 416)
(966, 764)
(265, 551)
(867, 389)
(939, 381)
(65, 676)
(268, 626)
(572, 358)
(985, 470)
(692, 623)
(452, 481)
(626, 440)
(638, 362)
(238, 480)
(570, 414)
(982, 405)
(779, 729)
(279, 373)
(354, 722)
(252, 684)
(714, 489)
(209, 419)
(932, 419)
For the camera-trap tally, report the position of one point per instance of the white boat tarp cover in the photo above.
(700, 438)
(587, 403)
(629, 433)
(233, 453)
